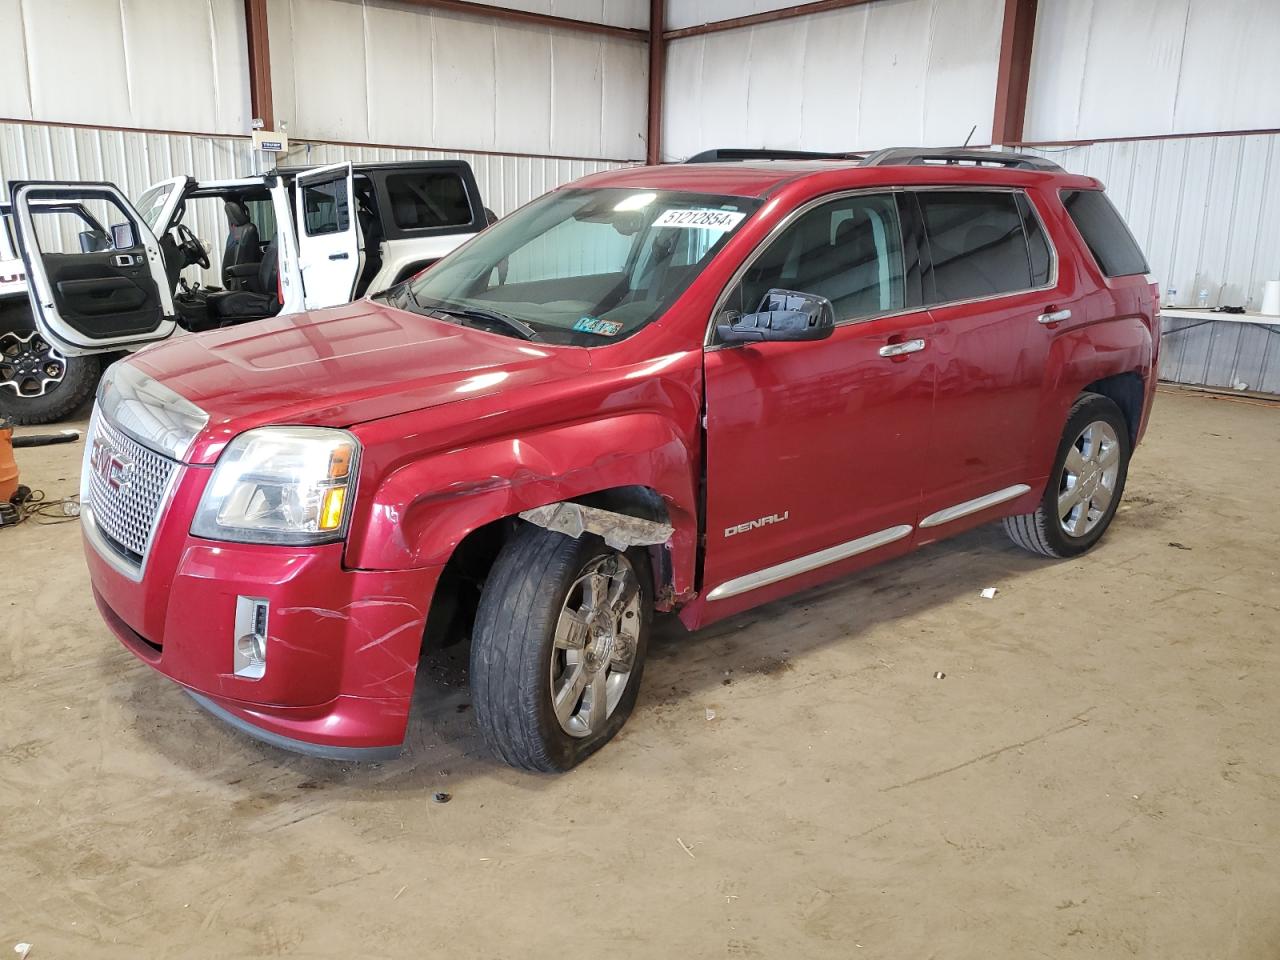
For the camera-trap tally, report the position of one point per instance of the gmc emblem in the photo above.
(113, 467)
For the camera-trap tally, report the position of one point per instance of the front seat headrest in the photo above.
(237, 213)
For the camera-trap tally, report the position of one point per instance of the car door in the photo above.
(815, 451)
(328, 235)
(87, 301)
(991, 276)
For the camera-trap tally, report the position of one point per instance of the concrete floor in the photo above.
(1097, 775)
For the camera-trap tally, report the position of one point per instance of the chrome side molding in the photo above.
(974, 505)
(812, 561)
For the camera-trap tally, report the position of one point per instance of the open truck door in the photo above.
(328, 235)
(90, 297)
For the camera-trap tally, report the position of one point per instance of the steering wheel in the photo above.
(192, 250)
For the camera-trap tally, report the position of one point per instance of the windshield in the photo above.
(580, 266)
(152, 202)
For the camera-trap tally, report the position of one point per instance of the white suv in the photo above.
(85, 275)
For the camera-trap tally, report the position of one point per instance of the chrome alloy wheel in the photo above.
(1088, 481)
(594, 650)
(29, 366)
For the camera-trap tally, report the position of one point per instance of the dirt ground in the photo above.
(1098, 774)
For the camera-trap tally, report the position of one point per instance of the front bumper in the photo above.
(342, 645)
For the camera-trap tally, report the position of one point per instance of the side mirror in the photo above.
(785, 315)
(122, 236)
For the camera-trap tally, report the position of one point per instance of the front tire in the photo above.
(558, 647)
(1085, 485)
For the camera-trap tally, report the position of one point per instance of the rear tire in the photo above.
(1085, 485)
(37, 383)
(561, 621)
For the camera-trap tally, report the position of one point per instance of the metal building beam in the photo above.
(492, 12)
(255, 20)
(657, 78)
(1014, 73)
(769, 16)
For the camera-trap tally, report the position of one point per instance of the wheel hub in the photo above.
(595, 643)
(1088, 480)
(29, 366)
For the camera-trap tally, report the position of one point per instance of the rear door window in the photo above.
(1104, 233)
(428, 200)
(977, 244)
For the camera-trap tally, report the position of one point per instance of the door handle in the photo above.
(899, 349)
(347, 256)
(1054, 316)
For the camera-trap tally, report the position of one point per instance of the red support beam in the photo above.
(769, 16)
(1014, 72)
(657, 75)
(489, 11)
(255, 20)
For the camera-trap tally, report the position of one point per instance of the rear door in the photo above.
(90, 297)
(328, 235)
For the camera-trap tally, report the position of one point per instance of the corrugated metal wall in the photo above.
(878, 74)
(377, 72)
(134, 161)
(1220, 353)
(1205, 209)
(1153, 67)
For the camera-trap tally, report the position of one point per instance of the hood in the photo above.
(341, 366)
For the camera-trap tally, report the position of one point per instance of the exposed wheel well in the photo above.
(409, 270)
(457, 595)
(1127, 391)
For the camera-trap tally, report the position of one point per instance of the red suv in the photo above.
(690, 388)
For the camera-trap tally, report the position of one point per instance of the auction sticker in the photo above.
(720, 220)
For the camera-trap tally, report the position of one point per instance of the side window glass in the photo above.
(263, 216)
(977, 243)
(425, 200)
(847, 250)
(325, 207)
(1105, 233)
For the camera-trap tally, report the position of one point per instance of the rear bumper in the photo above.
(342, 646)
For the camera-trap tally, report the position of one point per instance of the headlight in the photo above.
(281, 485)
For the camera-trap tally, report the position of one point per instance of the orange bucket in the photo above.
(8, 466)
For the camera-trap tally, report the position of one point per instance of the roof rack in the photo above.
(731, 154)
(916, 156)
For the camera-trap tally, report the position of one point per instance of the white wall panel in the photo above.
(132, 63)
(692, 13)
(615, 13)
(1153, 67)
(1206, 210)
(381, 72)
(880, 74)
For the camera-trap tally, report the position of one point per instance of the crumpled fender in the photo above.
(422, 510)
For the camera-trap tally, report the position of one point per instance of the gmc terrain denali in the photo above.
(691, 388)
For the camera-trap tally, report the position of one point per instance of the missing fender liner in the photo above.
(618, 530)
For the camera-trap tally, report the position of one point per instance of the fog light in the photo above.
(249, 653)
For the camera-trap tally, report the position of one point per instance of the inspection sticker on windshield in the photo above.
(606, 328)
(719, 220)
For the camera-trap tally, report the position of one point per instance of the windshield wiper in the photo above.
(486, 316)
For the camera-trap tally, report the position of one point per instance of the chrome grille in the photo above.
(126, 485)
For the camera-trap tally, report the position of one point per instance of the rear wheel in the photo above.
(37, 383)
(558, 647)
(1085, 486)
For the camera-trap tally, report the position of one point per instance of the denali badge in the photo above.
(115, 470)
(756, 524)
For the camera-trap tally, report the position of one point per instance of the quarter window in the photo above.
(421, 201)
(847, 250)
(977, 244)
(1105, 233)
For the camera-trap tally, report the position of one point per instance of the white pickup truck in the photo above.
(85, 275)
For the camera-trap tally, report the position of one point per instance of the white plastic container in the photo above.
(1271, 298)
